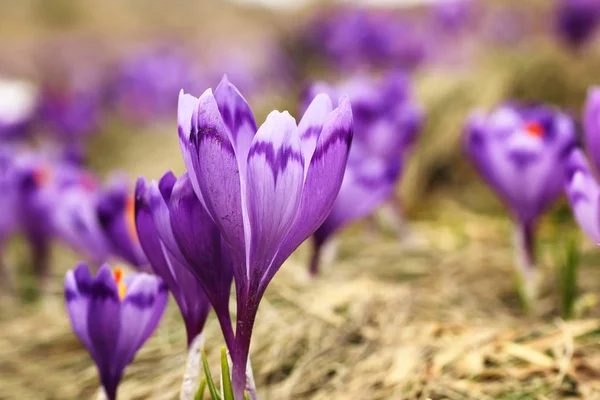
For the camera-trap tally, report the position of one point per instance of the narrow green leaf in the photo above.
(200, 393)
(246, 396)
(214, 394)
(566, 277)
(227, 389)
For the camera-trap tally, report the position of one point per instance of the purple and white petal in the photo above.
(274, 187)
(311, 125)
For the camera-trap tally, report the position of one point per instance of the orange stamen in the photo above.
(130, 218)
(121, 287)
(534, 129)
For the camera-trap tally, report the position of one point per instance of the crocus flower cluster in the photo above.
(577, 20)
(113, 315)
(519, 150)
(47, 198)
(352, 38)
(249, 198)
(386, 122)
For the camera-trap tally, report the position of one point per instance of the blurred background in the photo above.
(88, 100)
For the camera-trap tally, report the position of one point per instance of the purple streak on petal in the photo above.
(322, 184)
(274, 188)
(218, 178)
(311, 125)
(238, 117)
(141, 311)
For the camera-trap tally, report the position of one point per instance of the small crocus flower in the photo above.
(184, 247)
(591, 125)
(386, 123)
(115, 213)
(113, 315)
(267, 189)
(518, 151)
(9, 205)
(583, 193)
(577, 20)
(18, 105)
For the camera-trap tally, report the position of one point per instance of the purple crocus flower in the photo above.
(147, 82)
(18, 104)
(115, 208)
(518, 150)
(583, 193)
(113, 316)
(591, 125)
(386, 122)
(267, 188)
(184, 247)
(577, 20)
(70, 108)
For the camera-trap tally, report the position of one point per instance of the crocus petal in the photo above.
(218, 175)
(311, 125)
(179, 279)
(141, 311)
(274, 187)
(186, 120)
(199, 241)
(583, 193)
(323, 180)
(591, 124)
(238, 117)
(104, 326)
(77, 303)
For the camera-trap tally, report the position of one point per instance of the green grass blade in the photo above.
(227, 389)
(566, 277)
(246, 396)
(214, 394)
(200, 393)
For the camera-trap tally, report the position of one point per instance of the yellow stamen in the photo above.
(122, 288)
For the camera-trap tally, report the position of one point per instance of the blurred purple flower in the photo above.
(386, 122)
(184, 247)
(113, 316)
(358, 37)
(583, 193)
(454, 15)
(116, 215)
(267, 188)
(70, 113)
(577, 20)
(145, 86)
(18, 105)
(591, 125)
(518, 151)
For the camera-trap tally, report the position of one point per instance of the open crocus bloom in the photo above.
(519, 150)
(267, 189)
(113, 316)
(591, 125)
(583, 193)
